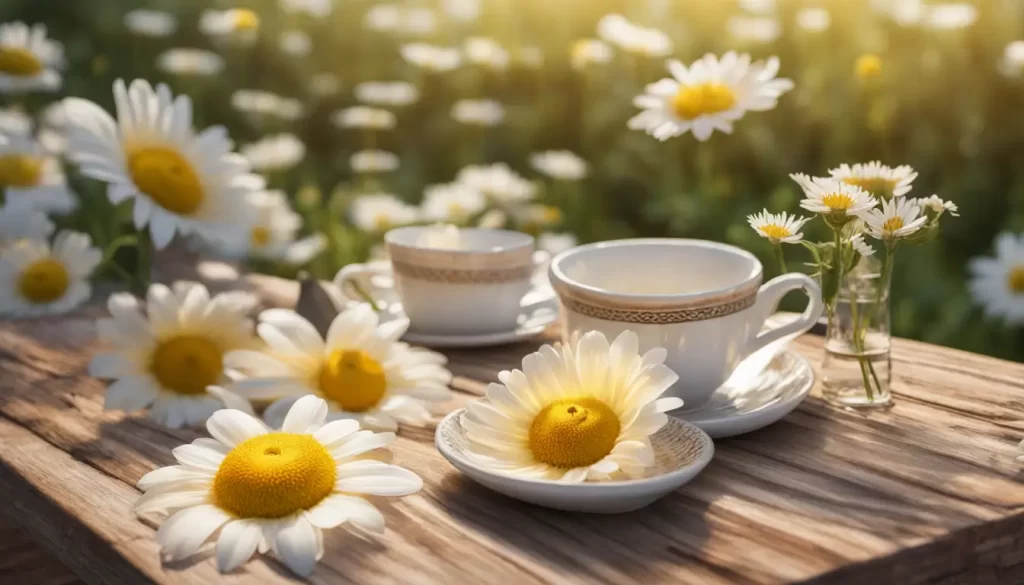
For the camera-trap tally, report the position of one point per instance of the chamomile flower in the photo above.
(1012, 62)
(997, 284)
(861, 247)
(170, 360)
(314, 8)
(898, 218)
(497, 182)
(950, 16)
(259, 103)
(29, 61)
(179, 181)
(585, 52)
(324, 84)
(272, 491)
(23, 223)
(493, 219)
(709, 95)
(379, 212)
(452, 202)
(486, 52)
(277, 152)
(814, 19)
(485, 112)
(432, 57)
(560, 164)
(394, 18)
(840, 202)
(877, 179)
(387, 93)
(938, 206)
(444, 236)
(238, 24)
(581, 412)
(462, 10)
(867, 67)
(619, 31)
(38, 279)
(361, 369)
(364, 117)
(373, 161)
(778, 228)
(754, 29)
(273, 226)
(535, 217)
(31, 177)
(189, 61)
(295, 43)
(150, 23)
(555, 243)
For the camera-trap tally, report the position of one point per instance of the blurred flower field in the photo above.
(364, 115)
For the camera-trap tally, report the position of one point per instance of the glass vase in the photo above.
(857, 370)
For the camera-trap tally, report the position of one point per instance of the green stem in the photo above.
(365, 295)
(858, 345)
(111, 250)
(781, 256)
(144, 269)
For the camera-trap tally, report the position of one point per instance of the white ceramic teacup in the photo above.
(476, 288)
(702, 301)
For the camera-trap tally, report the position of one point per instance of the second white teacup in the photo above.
(702, 301)
(476, 288)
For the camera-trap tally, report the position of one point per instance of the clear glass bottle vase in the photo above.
(857, 370)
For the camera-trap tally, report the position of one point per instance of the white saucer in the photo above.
(756, 395)
(681, 451)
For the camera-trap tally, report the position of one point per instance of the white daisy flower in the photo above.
(452, 202)
(180, 181)
(432, 57)
(584, 411)
(560, 164)
(486, 52)
(587, 51)
(150, 23)
(324, 84)
(485, 112)
(259, 103)
(37, 279)
(1012, 63)
(272, 491)
(829, 196)
(273, 226)
(32, 178)
(278, 152)
(379, 212)
(295, 43)
(361, 369)
(861, 246)
(315, 8)
(898, 218)
(877, 179)
(758, 6)
(444, 236)
(189, 61)
(28, 60)
(937, 205)
(374, 161)
(709, 95)
(170, 360)
(394, 18)
(462, 10)
(556, 243)
(778, 228)
(754, 29)
(14, 122)
(23, 223)
(240, 24)
(949, 16)
(997, 284)
(364, 117)
(814, 19)
(499, 183)
(536, 217)
(619, 31)
(387, 93)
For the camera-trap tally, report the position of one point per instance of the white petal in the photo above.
(198, 457)
(392, 481)
(334, 432)
(232, 427)
(184, 532)
(306, 415)
(171, 473)
(237, 543)
(362, 442)
(295, 545)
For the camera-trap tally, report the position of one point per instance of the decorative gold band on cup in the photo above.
(462, 275)
(660, 316)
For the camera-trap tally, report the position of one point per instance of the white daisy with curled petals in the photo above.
(29, 61)
(170, 360)
(778, 228)
(709, 95)
(881, 181)
(938, 206)
(584, 411)
(860, 246)
(839, 202)
(997, 282)
(361, 369)
(179, 181)
(39, 279)
(898, 218)
(273, 492)
(33, 178)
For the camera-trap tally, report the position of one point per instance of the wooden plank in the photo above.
(24, 561)
(927, 492)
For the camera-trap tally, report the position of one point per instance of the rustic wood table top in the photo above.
(926, 492)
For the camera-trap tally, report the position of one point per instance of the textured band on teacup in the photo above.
(660, 316)
(462, 275)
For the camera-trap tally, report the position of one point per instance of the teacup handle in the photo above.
(355, 282)
(768, 298)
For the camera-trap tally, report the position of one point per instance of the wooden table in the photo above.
(928, 492)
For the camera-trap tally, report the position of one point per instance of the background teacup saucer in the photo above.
(754, 398)
(536, 315)
(681, 451)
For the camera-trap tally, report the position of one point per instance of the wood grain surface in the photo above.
(925, 493)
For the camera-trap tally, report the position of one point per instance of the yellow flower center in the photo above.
(43, 281)
(187, 364)
(246, 20)
(1016, 280)
(19, 62)
(167, 178)
(382, 222)
(456, 210)
(274, 475)
(19, 170)
(775, 231)
(868, 66)
(702, 100)
(260, 236)
(879, 187)
(892, 224)
(353, 379)
(574, 433)
(837, 201)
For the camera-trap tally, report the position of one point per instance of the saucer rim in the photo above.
(484, 339)
(659, 481)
